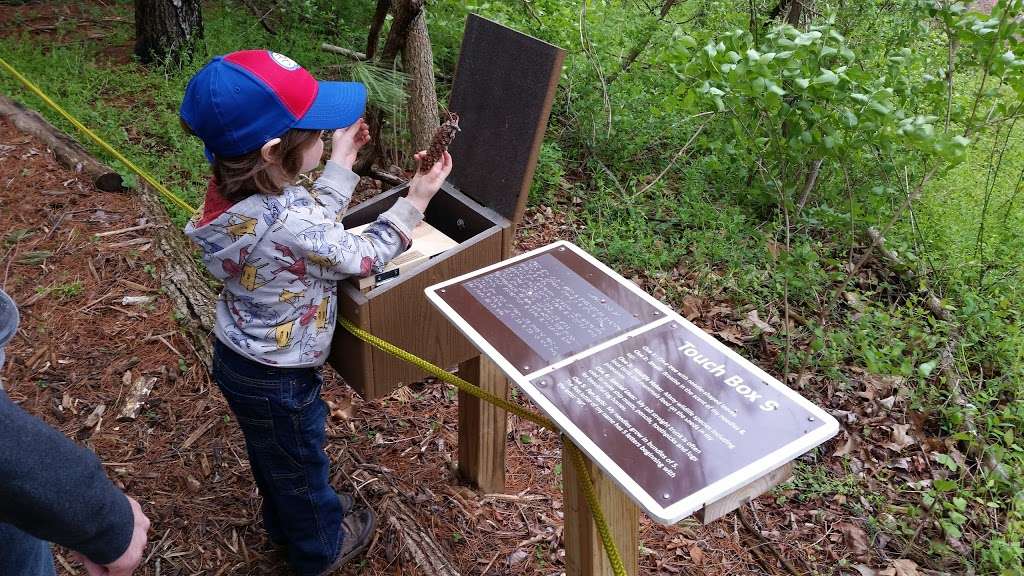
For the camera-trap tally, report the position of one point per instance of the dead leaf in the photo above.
(697, 555)
(731, 334)
(752, 318)
(691, 307)
(900, 438)
(854, 537)
(865, 570)
(94, 418)
(905, 567)
(851, 446)
(517, 557)
(343, 410)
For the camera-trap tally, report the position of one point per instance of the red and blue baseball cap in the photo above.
(238, 102)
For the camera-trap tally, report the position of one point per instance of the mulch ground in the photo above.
(94, 320)
(85, 337)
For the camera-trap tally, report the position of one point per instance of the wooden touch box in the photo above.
(504, 87)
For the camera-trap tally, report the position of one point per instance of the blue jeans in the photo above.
(283, 420)
(23, 554)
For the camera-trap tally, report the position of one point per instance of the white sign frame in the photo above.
(680, 509)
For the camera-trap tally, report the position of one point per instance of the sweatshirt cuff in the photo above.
(110, 543)
(339, 177)
(404, 217)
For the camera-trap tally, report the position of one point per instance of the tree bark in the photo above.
(166, 31)
(373, 38)
(418, 62)
(404, 12)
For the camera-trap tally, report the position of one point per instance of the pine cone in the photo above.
(442, 139)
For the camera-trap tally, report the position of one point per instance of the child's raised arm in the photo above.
(334, 188)
(334, 253)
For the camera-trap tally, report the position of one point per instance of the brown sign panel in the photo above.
(544, 309)
(504, 86)
(674, 416)
(674, 411)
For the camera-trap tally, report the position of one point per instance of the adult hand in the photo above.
(132, 556)
(346, 142)
(427, 181)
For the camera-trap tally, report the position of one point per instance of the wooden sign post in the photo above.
(672, 421)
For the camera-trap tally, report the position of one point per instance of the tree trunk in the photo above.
(373, 38)
(418, 62)
(404, 11)
(166, 31)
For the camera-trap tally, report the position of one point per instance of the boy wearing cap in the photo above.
(280, 250)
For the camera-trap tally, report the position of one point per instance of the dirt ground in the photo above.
(75, 271)
(94, 320)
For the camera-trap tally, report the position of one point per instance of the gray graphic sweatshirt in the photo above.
(280, 258)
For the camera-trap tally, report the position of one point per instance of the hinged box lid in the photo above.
(504, 87)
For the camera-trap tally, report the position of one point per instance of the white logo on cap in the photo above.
(284, 61)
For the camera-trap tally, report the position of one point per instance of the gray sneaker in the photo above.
(356, 532)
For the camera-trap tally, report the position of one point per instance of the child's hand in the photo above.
(427, 182)
(346, 142)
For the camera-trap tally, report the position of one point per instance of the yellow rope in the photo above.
(595, 508)
(448, 377)
(578, 462)
(142, 173)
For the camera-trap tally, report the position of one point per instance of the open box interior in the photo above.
(453, 213)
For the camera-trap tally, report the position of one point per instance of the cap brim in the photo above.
(337, 105)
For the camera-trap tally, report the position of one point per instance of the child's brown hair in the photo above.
(242, 176)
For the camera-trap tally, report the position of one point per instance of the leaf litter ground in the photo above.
(92, 311)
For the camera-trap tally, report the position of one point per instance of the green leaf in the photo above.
(803, 83)
(946, 461)
(960, 503)
(879, 107)
(827, 77)
(926, 368)
(950, 529)
(849, 118)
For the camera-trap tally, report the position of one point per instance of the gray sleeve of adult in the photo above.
(57, 491)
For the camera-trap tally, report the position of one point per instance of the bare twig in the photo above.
(812, 179)
(678, 154)
(359, 56)
(768, 543)
(262, 19)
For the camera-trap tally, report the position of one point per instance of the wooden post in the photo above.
(482, 427)
(584, 553)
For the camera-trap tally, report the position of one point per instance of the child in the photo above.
(280, 250)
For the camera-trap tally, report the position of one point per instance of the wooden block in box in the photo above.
(427, 242)
(397, 310)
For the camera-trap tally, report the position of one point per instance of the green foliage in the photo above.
(749, 154)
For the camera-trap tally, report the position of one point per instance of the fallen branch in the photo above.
(181, 280)
(418, 543)
(67, 151)
(386, 177)
(766, 543)
(137, 396)
(326, 47)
